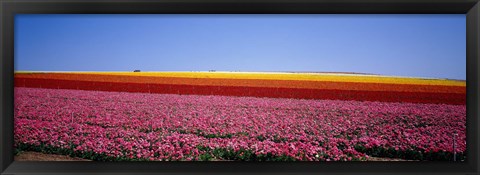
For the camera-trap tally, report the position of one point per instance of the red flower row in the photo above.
(331, 94)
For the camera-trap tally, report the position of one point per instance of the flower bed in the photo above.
(140, 126)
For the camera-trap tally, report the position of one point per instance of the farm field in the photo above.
(281, 85)
(169, 116)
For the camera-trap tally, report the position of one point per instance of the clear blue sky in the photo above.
(402, 45)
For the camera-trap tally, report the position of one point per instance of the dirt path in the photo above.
(386, 159)
(36, 156)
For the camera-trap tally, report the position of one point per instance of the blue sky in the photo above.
(401, 45)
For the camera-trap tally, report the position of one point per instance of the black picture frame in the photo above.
(8, 8)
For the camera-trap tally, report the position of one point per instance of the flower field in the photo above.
(277, 117)
(360, 88)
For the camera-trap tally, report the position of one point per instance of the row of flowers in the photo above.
(326, 77)
(267, 83)
(130, 126)
(273, 92)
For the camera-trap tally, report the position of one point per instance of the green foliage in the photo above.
(17, 151)
(261, 138)
(242, 133)
(247, 155)
(278, 139)
(411, 154)
(70, 152)
(203, 148)
(205, 157)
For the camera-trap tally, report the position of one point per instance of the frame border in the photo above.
(9, 8)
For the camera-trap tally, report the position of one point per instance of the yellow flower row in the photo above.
(294, 76)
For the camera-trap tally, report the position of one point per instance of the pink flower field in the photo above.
(121, 126)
